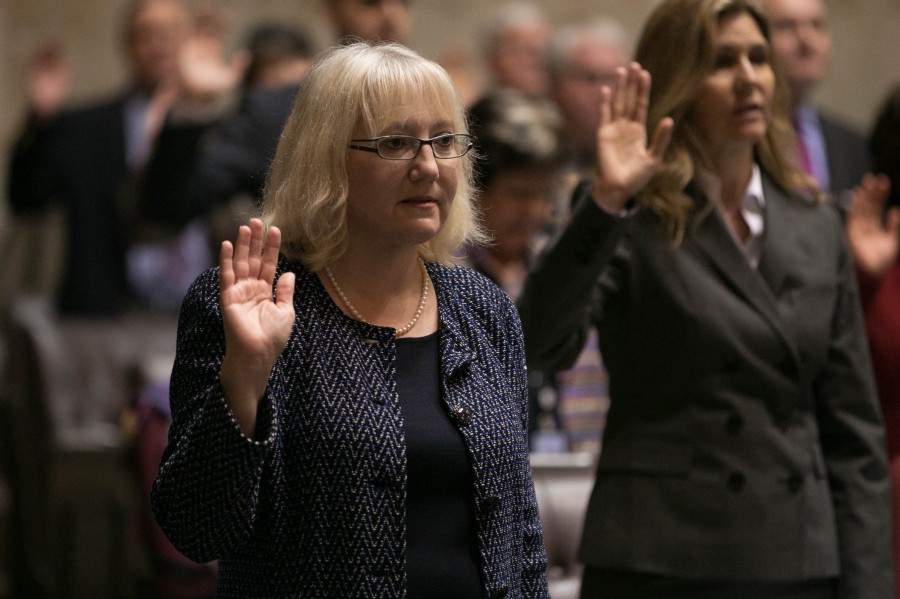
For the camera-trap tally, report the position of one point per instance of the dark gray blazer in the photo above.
(744, 441)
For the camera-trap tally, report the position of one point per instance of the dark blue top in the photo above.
(441, 549)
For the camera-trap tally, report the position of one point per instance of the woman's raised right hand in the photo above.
(625, 163)
(256, 327)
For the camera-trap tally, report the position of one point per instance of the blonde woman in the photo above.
(743, 455)
(349, 407)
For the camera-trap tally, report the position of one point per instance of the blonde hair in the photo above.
(307, 188)
(677, 47)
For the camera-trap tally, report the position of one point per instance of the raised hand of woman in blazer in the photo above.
(625, 162)
(256, 327)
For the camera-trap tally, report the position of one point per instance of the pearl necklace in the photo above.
(405, 328)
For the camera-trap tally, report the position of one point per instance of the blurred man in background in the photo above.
(374, 20)
(833, 153)
(516, 49)
(583, 58)
(93, 159)
(235, 157)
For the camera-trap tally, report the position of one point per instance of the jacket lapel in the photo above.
(779, 238)
(455, 350)
(759, 288)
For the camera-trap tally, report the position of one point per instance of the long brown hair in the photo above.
(677, 47)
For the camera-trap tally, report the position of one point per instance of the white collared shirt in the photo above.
(753, 209)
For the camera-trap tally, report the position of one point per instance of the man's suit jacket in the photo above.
(231, 159)
(744, 440)
(847, 153)
(79, 161)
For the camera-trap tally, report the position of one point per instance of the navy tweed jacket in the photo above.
(315, 507)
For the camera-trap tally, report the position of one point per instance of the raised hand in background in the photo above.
(873, 234)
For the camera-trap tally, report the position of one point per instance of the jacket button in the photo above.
(784, 419)
(736, 481)
(500, 592)
(461, 415)
(794, 483)
(734, 424)
(490, 503)
(788, 367)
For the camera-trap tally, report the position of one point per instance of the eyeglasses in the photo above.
(405, 147)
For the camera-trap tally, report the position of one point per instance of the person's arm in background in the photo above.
(237, 153)
(873, 233)
(206, 83)
(32, 185)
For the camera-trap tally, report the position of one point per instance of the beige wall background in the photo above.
(866, 66)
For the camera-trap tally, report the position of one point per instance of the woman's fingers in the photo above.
(870, 196)
(605, 105)
(661, 138)
(246, 259)
(629, 99)
(254, 258)
(241, 253)
(226, 266)
(880, 187)
(270, 255)
(284, 290)
(642, 96)
(892, 222)
(631, 95)
(618, 99)
(632, 90)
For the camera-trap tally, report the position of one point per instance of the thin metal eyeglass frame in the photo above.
(422, 142)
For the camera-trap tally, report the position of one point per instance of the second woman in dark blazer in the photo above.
(744, 452)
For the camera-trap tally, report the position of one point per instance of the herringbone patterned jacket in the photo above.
(315, 507)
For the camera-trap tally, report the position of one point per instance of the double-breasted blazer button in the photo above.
(731, 363)
(788, 367)
(736, 481)
(784, 419)
(461, 415)
(734, 424)
(794, 483)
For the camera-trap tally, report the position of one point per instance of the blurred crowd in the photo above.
(153, 178)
